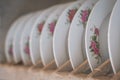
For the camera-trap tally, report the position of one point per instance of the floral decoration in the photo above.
(52, 27)
(84, 16)
(94, 45)
(71, 14)
(10, 49)
(26, 49)
(40, 26)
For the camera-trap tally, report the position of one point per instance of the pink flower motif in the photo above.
(84, 19)
(85, 15)
(27, 50)
(52, 26)
(71, 14)
(40, 27)
(93, 44)
(96, 31)
(94, 47)
(96, 50)
(10, 50)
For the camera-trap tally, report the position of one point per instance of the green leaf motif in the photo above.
(94, 38)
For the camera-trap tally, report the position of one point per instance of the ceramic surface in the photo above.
(60, 37)
(35, 35)
(96, 34)
(114, 37)
(17, 37)
(76, 46)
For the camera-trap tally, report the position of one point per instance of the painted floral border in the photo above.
(71, 14)
(40, 27)
(10, 51)
(26, 48)
(94, 44)
(84, 14)
(52, 26)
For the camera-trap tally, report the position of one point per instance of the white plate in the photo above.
(96, 33)
(9, 41)
(114, 38)
(16, 39)
(35, 35)
(46, 40)
(60, 36)
(76, 34)
(24, 41)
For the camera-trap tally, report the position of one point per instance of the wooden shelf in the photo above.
(21, 72)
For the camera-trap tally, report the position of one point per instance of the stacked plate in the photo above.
(75, 31)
